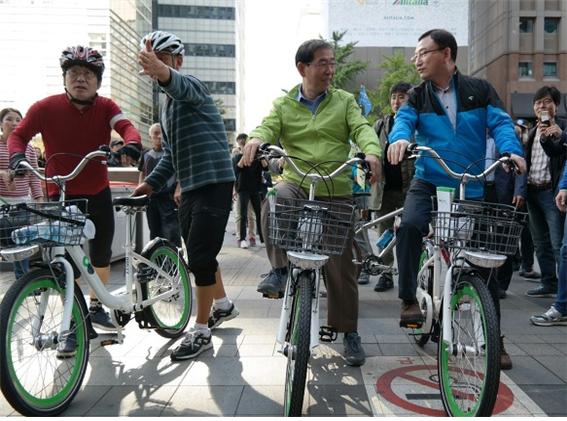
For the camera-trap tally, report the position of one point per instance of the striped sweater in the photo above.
(27, 185)
(193, 137)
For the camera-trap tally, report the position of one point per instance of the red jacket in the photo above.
(73, 132)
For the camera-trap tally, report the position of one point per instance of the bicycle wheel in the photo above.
(425, 282)
(298, 351)
(357, 257)
(171, 315)
(469, 368)
(32, 378)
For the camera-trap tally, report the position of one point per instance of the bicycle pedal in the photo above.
(273, 296)
(410, 324)
(327, 334)
(107, 342)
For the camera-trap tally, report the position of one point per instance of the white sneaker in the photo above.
(244, 244)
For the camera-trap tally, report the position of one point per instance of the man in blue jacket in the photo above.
(450, 113)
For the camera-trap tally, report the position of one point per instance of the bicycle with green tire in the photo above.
(44, 312)
(458, 309)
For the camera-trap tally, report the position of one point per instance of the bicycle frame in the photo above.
(126, 303)
(441, 261)
(304, 261)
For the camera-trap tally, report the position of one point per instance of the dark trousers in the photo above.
(527, 248)
(162, 219)
(342, 287)
(415, 225)
(254, 198)
(203, 215)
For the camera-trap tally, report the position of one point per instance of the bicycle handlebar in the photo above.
(25, 165)
(464, 177)
(273, 151)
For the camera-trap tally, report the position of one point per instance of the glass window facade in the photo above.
(527, 25)
(210, 50)
(196, 12)
(551, 25)
(525, 69)
(550, 69)
(221, 88)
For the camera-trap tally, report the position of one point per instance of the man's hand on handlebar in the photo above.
(397, 151)
(143, 189)
(375, 165)
(520, 163)
(250, 149)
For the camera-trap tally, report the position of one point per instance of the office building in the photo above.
(208, 29)
(519, 46)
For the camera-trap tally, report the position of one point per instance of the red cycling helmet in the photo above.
(82, 56)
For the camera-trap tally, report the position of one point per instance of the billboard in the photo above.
(396, 23)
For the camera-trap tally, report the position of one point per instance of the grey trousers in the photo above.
(340, 271)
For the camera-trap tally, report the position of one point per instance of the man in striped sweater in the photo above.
(195, 150)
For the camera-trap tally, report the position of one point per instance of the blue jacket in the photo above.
(463, 148)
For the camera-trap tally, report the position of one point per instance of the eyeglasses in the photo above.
(85, 73)
(423, 53)
(544, 101)
(324, 64)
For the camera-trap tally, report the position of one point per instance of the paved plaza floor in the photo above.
(244, 374)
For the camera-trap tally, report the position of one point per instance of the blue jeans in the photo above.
(561, 300)
(21, 268)
(546, 226)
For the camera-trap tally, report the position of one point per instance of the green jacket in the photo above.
(320, 137)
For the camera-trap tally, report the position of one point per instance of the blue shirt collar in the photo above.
(311, 104)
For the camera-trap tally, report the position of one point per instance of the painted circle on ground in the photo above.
(385, 389)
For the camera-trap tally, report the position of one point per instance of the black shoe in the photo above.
(67, 345)
(501, 293)
(542, 292)
(354, 353)
(273, 284)
(411, 315)
(363, 278)
(192, 345)
(219, 316)
(385, 282)
(101, 319)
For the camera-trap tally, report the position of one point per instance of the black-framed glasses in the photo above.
(324, 64)
(423, 53)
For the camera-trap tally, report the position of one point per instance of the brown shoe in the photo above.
(505, 360)
(411, 315)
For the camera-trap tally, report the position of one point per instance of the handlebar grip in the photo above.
(364, 164)
(513, 166)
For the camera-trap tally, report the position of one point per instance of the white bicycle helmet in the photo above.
(164, 41)
(82, 56)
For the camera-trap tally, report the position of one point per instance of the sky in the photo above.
(274, 31)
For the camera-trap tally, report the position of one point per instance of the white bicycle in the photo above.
(45, 309)
(310, 231)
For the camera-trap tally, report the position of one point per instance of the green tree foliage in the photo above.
(346, 69)
(396, 70)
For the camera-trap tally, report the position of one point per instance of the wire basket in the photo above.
(46, 223)
(479, 226)
(311, 226)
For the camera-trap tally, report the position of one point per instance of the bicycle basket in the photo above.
(479, 226)
(47, 223)
(311, 226)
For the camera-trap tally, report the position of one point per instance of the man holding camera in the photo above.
(545, 157)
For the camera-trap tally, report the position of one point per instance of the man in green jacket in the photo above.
(314, 122)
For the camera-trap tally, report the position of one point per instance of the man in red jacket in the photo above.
(72, 124)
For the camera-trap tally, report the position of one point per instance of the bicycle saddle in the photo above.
(133, 202)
